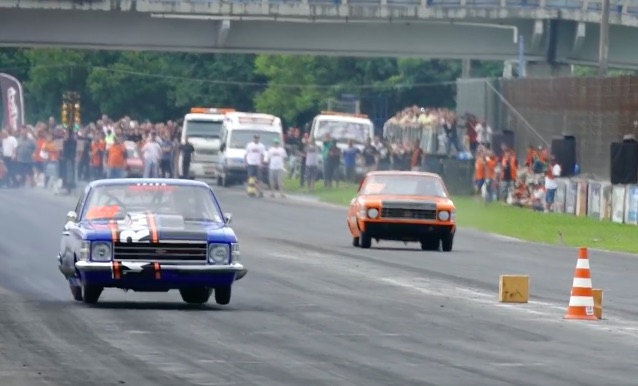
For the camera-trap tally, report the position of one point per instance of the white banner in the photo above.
(631, 205)
(618, 204)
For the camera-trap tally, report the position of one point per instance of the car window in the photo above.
(403, 185)
(193, 203)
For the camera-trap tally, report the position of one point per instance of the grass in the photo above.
(547, 228)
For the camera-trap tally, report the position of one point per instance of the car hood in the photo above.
(405, 201)
(144, 227)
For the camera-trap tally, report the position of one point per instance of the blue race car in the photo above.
(150, 235)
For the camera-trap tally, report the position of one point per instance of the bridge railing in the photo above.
(617, 6)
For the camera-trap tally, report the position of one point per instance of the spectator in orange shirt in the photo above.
(490, 175)
(51, 153)
(98, 147)
(116, 160)
(479, 171)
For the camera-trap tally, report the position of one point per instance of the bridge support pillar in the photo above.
(547, 70)
(466, 68)
(223, 27)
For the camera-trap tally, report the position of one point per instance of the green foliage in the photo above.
(160, 86)
(584, 71)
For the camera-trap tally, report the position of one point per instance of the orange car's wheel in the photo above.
(355, 241)
(365, 241)
(447, 243)
(430, 244)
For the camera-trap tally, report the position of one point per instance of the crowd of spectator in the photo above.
(52, 156)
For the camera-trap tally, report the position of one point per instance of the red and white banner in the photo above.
(12, 102)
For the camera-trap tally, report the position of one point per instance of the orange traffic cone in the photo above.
(581, 302)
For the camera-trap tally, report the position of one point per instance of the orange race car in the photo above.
(402, 206)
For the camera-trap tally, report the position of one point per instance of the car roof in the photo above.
(135, 181)
(403, 173)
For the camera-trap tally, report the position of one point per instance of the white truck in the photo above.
(202, 127)
(238, 130)
(342, 127)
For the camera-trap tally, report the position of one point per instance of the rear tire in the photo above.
(222, 295)
(430, 244)
(365, 241)
(447, 243)
(195, 295)
(355, 241)
(91, 293)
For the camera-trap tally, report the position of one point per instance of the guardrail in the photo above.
(617, 6)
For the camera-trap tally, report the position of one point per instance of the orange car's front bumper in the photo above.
(406, 230)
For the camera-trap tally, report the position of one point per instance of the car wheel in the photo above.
(222, 295)
(355, 241)
(195, 295)
(447, 243)
(76, 291)
(430, 244)
(365, 241)
(225, 182)
(90, 293)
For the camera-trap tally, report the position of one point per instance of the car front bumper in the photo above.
(203, 170)
(406, 231)
(157, 276)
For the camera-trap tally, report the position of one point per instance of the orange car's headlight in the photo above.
(373, 213)
(444, 215)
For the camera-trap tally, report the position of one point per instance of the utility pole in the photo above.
(603, 49)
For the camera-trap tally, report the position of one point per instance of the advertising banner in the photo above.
(581, 199)
(605, 202)
(12, 102)
(618, 204)
(559, 202)
(594, 193)
(570, 197)
(631, 205)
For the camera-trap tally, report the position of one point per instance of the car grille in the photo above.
(160, 252)
(417, 214)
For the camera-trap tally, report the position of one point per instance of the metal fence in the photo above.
(597, 111)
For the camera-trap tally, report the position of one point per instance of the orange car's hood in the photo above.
(376, 199)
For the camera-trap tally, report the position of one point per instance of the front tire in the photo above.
(355, 242)
(430, 244)
(91, 293)
(222, 295)
(76, 292)
(195, 295)
(447, 243)
(365, 241)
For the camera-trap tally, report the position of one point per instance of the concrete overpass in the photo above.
(555, 31)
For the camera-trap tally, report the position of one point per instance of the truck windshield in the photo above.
(343, 131)
(240, 138)
(202, 129)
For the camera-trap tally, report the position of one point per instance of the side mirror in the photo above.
(222, 147)
(228, 217)
(71, 216)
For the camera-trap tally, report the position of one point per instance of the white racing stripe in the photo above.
(581, 301)
(582, 264)
(581, 283)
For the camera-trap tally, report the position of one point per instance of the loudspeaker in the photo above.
(564, 150)
(506, 137)
(624, 162)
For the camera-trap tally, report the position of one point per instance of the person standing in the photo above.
(9, 146)
(312, 152)
(350, 160)
(116, 159)
(67, 160)
(166, 171)
(152, 153)
(277, 168)
(254, 159)
(24, 158)
(553, 172)
(187, 150)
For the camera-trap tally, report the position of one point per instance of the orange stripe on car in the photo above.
(157, 270)
(113, 227)
(117, 271)
(152, 226)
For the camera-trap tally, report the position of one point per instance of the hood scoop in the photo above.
(409, 204)
(170, 221)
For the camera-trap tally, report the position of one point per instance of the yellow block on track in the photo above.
(598, 302)
(513, 289)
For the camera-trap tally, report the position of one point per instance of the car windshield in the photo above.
(202, 128)
(404, 185)
(343, 131)
(113, 202)
(240, 138)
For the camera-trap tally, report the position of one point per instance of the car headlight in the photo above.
(234, 252)
(444, 215)
(101, 251)
(85, 248)
(373, 213)
(218, 253)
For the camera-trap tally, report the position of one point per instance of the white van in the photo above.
(237, 131)
(202, 127)
(342, 127)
